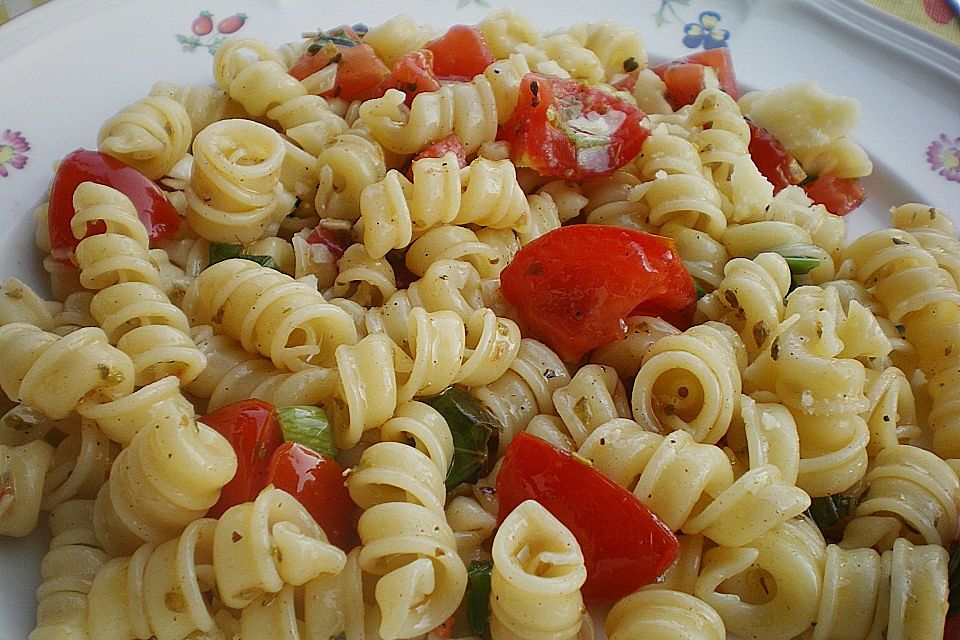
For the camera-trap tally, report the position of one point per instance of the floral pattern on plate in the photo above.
(943, 154)
(705, 32)
(204, 35)
(13, 151)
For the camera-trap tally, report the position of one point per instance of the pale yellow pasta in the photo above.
(67, 572)
(366, 280)
(20, 303)
(246, 535)
(269, 312)
(626, 356)
(593, 397)
(82, 366)
(397, 36)
(204, 104)
(472, 526)
(22, 472)
(504, 29)
(350, 162)
(453, 242)
(81, 462)
(703, 256)
(569, 52)
(934, 230)
(661, 613)
(366, 390)
(169, 475)
(150, 135)
(538, 569)
(750, 239)
(235, 193)
(691, 381)
(467, 109)
(892, 416)
(619, 48)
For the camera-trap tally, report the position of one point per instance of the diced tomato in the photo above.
(574, 286)
(450, 144)
(624, 545)
(951, 630)
(252, 428)
(839, 195)
(155, 211)
(361, 74)
(773, 161)
(566, 129)
(686, 77)
(627, 82)
(460, 53)
(317, 482)
(335, 241)
(414, 74)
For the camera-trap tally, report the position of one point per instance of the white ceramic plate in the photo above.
(69, 64)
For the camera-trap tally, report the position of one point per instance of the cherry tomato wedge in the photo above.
(624, 545)
(574, 286)
(773, 161)
(686, 77)
(839, 195)
(450, 144)
(317, 482)
(460, 53)
(252, 428)
(361, 74)
(414, 74)
(566, 129)
(83, 165)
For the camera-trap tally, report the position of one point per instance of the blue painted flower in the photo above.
(706, 32)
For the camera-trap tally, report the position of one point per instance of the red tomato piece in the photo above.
(685, 77)
(317, 482)
(624, 545)
(460, 53)
(951, 631)
(155, 211)
(450, 144)
(566, 129)
(414, 74)
(773, 161)
(251, 426)
(574, 286)
(839, 195)
(336, 242)
(361, 74)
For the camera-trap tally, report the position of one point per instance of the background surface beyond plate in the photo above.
(70, 64)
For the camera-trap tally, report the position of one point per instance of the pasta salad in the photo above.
(391, 332)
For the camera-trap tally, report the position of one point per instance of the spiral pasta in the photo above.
(662, 613)
(467, 109)
(691, 381)
(67, 572)
(150, 135)
(406, 540)
(22, 472)
(486, 192)
(235, 193)
(270, 313)
(351, 161)
(170, 474)
(538, 569)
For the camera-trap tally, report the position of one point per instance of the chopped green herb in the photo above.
(220, 251)
(478, 596)
(308, 426)
(902, 330)
(700, 290)
(630, 64)
(899, 241)
(476, 435)
(801, 265)
(828, 511)
(807, 180)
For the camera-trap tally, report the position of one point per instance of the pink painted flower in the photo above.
(943, 154)
(13, 150)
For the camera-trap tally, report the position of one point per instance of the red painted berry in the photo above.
(232, 24)
(938, 10)
(203, 24)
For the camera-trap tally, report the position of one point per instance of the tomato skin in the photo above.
(361, 74)
(84, 165)
(839, 195)
(574, 286)
(414, 74)
(684, 76)
(317, 482)
(450, 144)
(543, 130)
(251, 426)
(624, 545)
(459, 54)
(951, 631)
(773, 161)
(336, 243)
